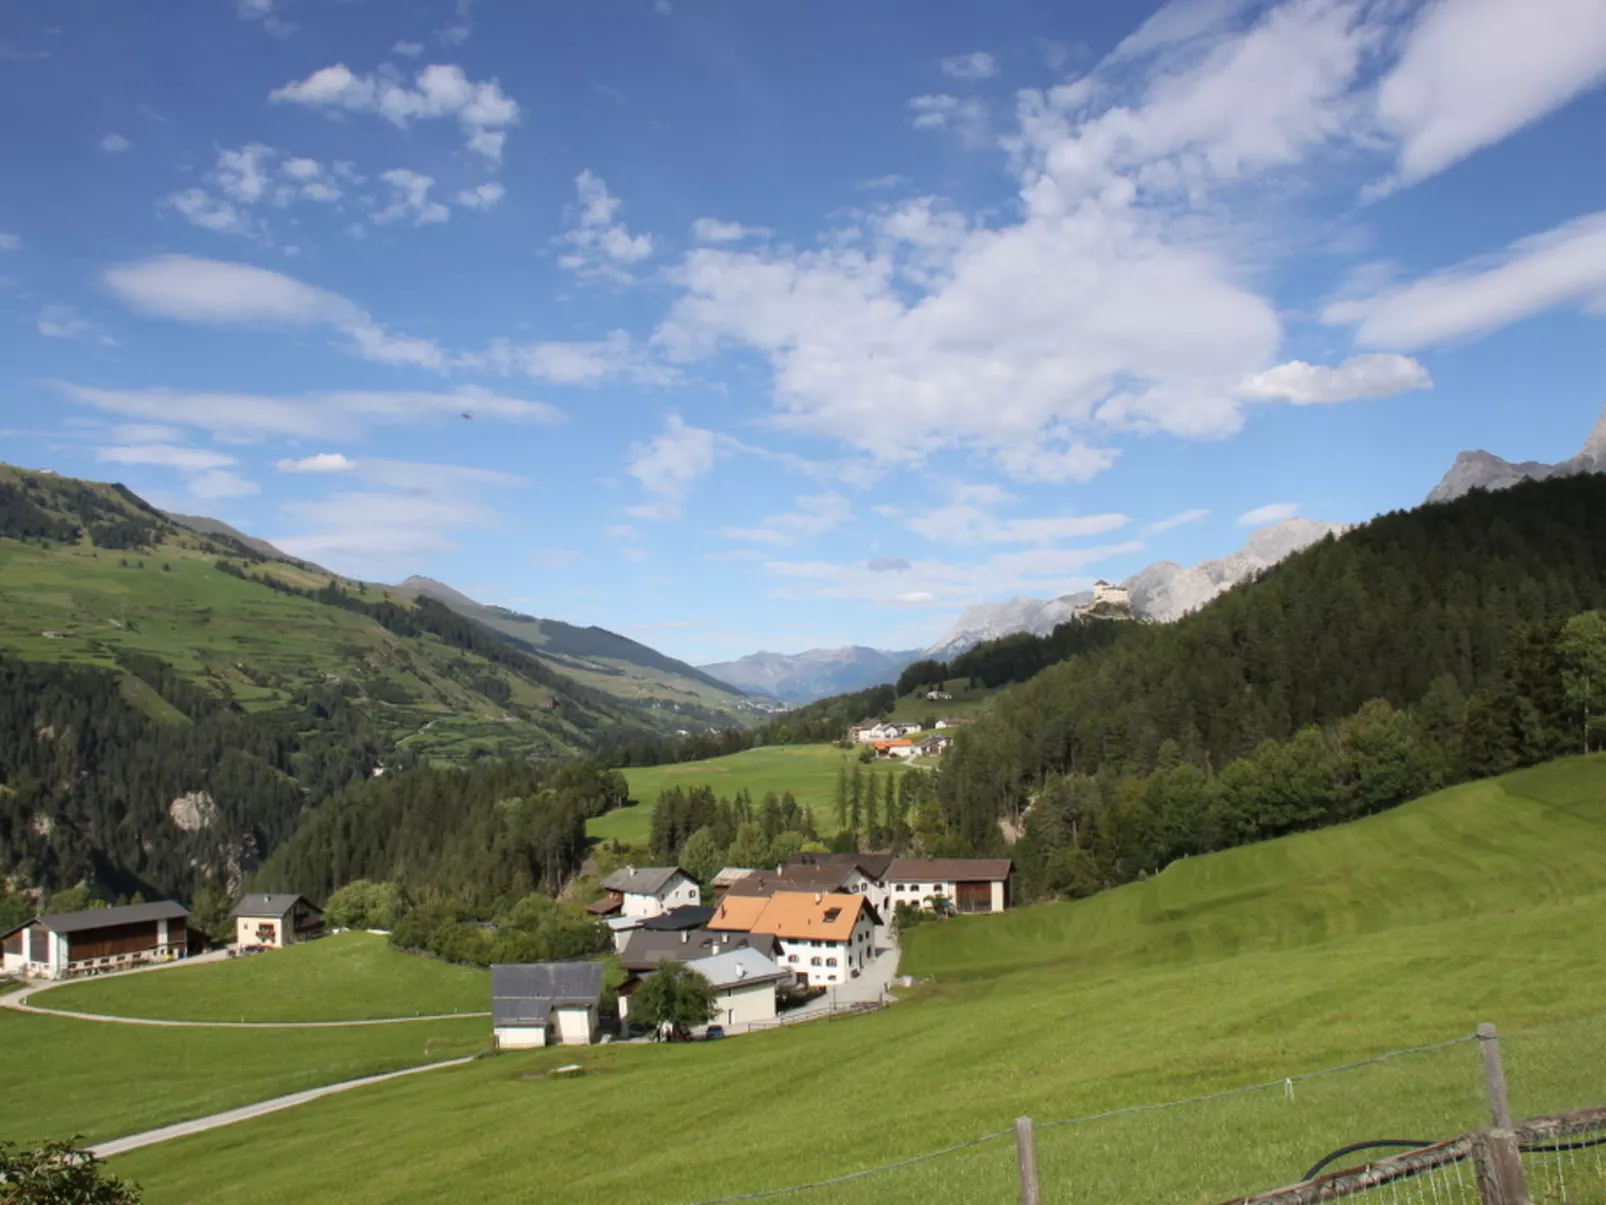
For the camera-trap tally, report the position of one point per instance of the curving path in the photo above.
(18, 1000)
(121, 1146)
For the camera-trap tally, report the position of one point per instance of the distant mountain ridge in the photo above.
(1480, 470)
(816, 674)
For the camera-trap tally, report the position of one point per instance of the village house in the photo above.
(276, 921)
(546, 1004)
(825, 939)
(647, 948)
(647, 891)
(966, 884)
(933, 745)
(933, 696)
(67, 944)
(725, 878)
(865, 875)
(950, 723)
(902, 749)
(869, 734)
(746, 985)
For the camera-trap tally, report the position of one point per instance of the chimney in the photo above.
(818, 898)
(741, 972)
(684, 936)
(630, 870)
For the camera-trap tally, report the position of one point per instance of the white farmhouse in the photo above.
(965, 884)
(825, 939)
(745, 984)
(650, 890)
(546, 1004)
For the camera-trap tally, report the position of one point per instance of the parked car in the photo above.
(713, 1033)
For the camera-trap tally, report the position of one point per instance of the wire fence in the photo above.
(1231, 1144)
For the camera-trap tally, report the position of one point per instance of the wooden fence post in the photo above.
(1026, 1156)
(1497, 1162)
(1494, 1076)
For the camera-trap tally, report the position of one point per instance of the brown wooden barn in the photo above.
(96, 940)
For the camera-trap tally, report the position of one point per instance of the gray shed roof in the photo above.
(526, 993)
(641, 880)
(270, 905)
(646, 948)
(737, 968)
(101, 918)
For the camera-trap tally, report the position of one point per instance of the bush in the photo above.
(363, 904)
(59, 1173)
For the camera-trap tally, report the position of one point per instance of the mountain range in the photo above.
(803, 677)
(1479, 470)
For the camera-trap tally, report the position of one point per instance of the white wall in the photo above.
(923, 893)
(577, 1026)
(520, 1037)
(245, 931)
(745, 1004)
(998, 896)
(12, 963)
(850, 956)
(679, 892)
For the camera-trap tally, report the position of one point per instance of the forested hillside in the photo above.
(1423, 648)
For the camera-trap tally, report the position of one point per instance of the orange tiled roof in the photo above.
(796, 915)
(738, 912)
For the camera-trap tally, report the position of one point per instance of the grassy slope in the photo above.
(62, 1077)
(348, 977)
(808, 771)
(1476, 904)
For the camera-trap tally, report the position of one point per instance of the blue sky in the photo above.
(733, 326)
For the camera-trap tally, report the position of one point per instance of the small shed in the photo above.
(545, 1004)
(276, 920)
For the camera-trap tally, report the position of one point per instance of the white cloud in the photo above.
(409, 199)
(146, 433)
(336, 415)
(263, 11)
(167, 456)
(1180, 519)
(966, 117)
(1474, 71)
(378, 533)
(248, 177)
(222, 483)
(970, 519)
(1274, 512)
(712, 230)
(115, 143)
(663, 7)
(667, 466)
(816, 514)
(882, 183)
(10, 242)
(975, 66)
(1561, 266)
(410, 49)
(322, 462)
(64, 322)
(482, 196)
(597, 245)
(481, 108)
(219, 293)
(1036, 571)
(576, 362)
(1380, 374)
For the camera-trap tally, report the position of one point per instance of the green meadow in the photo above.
(346, 977)
(1253, 967)
(808, 771)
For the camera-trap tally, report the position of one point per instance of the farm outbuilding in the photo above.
(546, 1004)
(97, 940)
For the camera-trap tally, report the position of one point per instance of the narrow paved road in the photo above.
(120, 1146)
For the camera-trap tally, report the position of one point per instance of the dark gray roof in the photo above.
(101, 918)
(526, 993)
(270, 905)
(641, 880)
(646, 948)
(688, 916)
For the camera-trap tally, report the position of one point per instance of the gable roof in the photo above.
(729, 875)
(641, 880)
(795, 878)
(687, 916)
(797, 915)
(271, 905)
(738, 912)
(949, 870)
(738, 968)
(526, 993)
(104, 918)
(871, 866)
(646, 948)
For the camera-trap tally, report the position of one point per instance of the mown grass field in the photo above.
(346, 977)
(1480, 903)
(60, 1077)
(808, 771)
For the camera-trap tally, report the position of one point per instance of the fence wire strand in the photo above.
(1282, 1081)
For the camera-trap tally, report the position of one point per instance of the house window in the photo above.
(793, 958)
(815, 961)
(830, 962)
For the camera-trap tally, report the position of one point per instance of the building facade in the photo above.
(97, 940)
(276, 921)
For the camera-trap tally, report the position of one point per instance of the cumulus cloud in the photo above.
(207, 474)
(816, 514)
(971, 519)
(1561, 266)
(574, 362)
(64, 322)
(409, 199)
(974, 66)
(966, 117)
(481, 108)
(668, 466)
(336, 415)
(1181, 519)
(247, 179)
(1380, 374)
(115, 143)
(1474, 71)
(1273, 512)
(597, 245)
(265, 12)
(481, 196)
(322, 462)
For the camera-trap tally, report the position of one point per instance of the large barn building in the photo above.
(96, 940)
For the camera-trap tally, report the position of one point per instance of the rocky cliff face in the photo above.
(1479, 470)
